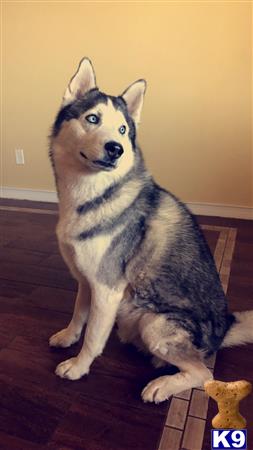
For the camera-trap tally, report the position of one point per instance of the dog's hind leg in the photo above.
(169, 342)
(192, 374)
(72, 333)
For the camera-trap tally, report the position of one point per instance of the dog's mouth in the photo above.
(105, 165)
(83, 155)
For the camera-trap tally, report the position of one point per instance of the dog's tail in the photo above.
(241, 331)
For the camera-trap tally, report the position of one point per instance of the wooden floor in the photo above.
(103, 411)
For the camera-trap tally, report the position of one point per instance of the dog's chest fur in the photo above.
(84, 256)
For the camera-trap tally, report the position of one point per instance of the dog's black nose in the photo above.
(114, 149)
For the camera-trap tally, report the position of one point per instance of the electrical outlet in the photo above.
(20, 159)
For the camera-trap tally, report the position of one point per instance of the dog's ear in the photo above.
(134, 96)
(83, 80)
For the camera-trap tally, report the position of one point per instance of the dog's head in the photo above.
(97, 131)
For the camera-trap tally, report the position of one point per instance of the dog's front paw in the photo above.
(71, 369)
(64, 338)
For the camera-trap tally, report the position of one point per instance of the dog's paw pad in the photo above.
(63, 338)
(70, 369)
(156, 391)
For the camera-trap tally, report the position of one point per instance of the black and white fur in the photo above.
(142, 252)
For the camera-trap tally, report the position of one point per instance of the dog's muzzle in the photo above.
(113, 151)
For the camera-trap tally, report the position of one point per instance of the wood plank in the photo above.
(41, 276)
(170, 439)
(177, 413)
(193, 435)
(105, 426)
(8, 442)
(18, 407)
(199, 404)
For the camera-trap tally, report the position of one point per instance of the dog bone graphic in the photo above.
(228, 397)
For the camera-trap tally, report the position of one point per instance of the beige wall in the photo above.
(196, 57)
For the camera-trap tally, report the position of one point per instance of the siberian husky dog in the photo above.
(141, 251)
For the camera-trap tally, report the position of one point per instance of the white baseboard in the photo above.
(205, 209)
(218, 210)
(29, 194)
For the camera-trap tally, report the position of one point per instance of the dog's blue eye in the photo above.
(122, 129)
(92, 118)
